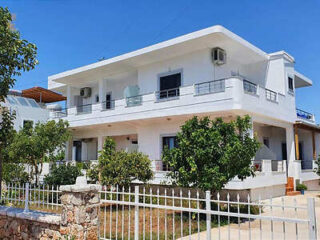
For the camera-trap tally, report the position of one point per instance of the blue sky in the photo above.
(72, 33)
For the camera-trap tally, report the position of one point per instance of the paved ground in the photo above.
(278, 227)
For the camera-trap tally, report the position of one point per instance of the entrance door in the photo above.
(77, 145)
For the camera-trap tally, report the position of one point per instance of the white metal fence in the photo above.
(171, 214)
(38, 197)
(146, 213)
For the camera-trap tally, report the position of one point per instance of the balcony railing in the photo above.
(271, 95)
(84, 109)
(108, 105)
(134, 101)
(210, 87)
(183, 96)
(168, 94)
(305, 115)
(249, 87)
(59, 113)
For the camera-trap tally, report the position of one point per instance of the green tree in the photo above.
(210, 153)
(7, 134)
(16, 54)
(64, 174)
(120, 167)
(40, 144)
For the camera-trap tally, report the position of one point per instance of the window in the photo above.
(266, 142)
(169, 85)
(290, 84)
(168, 142)
(97, 98)
(27, 124)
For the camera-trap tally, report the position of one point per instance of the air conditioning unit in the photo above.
(85, 92)
(218, 56)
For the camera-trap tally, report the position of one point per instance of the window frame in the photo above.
(165, 74)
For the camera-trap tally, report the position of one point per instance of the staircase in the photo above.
(290, 187)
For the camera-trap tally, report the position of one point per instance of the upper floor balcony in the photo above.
(230, 94)
(305, 116)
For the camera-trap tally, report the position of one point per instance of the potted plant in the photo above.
(301, 187)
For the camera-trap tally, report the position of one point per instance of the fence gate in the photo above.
(145, 213)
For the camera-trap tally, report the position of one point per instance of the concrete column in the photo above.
(102, 90)
(80, 210)
(69, 96)
(69, 149)
(100, 144)
(266, 166)
(291, 159)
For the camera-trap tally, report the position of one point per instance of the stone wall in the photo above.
(16, 224)
(79, 219)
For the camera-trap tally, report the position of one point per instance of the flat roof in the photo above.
(42, 95)
(163, 46)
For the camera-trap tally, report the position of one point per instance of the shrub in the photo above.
(300, 187)
(65, 174)
(93, 173)
(121, 168)
(14, 172)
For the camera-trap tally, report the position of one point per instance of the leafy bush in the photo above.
(121, 168)
(300, 187)
(64, 174)
(210, 153)
(93, 173)
(14, 172)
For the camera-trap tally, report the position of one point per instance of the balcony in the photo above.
(305, 116)
(204, 97)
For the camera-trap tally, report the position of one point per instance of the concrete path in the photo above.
(232, 231)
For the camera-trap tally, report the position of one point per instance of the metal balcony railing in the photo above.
(134, 101)
(305, 115)
(271, 95)
(108, 105)
(84, 109)
(168, 93)
(249, 87)
(210, 87)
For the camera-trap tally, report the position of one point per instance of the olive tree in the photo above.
(210, 153)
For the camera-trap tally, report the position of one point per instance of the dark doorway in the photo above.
(108, 101)
(284, 151)
(77, 145)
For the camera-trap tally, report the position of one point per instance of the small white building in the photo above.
(141, 99)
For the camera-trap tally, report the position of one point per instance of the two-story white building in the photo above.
(142, 98)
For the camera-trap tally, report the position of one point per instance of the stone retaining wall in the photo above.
(16, 224)
(79, 219)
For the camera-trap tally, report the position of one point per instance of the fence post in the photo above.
(312, 219)
(80, 210)
(136, 213)
(208, 208)
(26, 201)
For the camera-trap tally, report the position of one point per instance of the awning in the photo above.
(43, 95)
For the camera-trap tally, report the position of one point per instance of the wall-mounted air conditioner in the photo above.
(218, 56)
(85, 92)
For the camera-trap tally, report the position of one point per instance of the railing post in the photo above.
(136, 213)
(208, 208)
(312, 219)
(26, 202)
